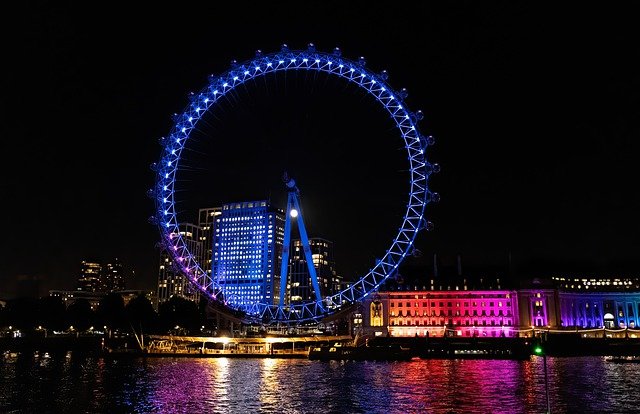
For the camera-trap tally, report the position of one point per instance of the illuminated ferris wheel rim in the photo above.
(263, 64)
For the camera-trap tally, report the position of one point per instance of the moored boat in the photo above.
(338, 352)
(623, 358)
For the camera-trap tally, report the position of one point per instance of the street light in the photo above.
(540, 352)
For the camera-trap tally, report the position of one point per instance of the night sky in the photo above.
(534, 107)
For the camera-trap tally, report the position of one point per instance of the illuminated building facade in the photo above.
(439, 313)
(89, 280)
(538, 307)
(300, 287)
(598, 302)
(172, 282)
(498, 312)
(247, 249)
(611, 310)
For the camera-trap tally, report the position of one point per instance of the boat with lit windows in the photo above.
(623, 358)
(476, 348)
(339, 352)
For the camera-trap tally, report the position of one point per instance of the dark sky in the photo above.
(534, 106)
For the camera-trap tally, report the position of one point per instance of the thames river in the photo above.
(77, 383)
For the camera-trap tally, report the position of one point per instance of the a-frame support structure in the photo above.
(294, 212)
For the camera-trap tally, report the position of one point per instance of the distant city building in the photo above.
(300, 285)
(344, 284)
(71, 296)
(170, 281)
(112, 278)
(127, 295)
(89, 279)
(207, 222)
(247, 250)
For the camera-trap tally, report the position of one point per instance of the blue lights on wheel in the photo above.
(310, 60)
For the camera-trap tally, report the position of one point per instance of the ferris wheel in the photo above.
(354, 71)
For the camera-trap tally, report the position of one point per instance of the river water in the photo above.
(80, 383)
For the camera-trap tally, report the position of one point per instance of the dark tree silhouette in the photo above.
(181, 312)
(22, 313)
(140, 315)
(111, 312)
(80, 315)
(51, 313)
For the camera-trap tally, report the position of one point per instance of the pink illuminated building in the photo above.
(481, 313)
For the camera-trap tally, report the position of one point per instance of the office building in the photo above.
(300, 287)
(247, 249)
(112, 278)
(170, 281)
(207, 222)
(89, 279)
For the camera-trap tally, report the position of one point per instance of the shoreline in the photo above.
(425, 348)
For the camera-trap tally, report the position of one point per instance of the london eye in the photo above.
(407, 128)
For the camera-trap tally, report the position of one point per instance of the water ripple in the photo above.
(68, 382)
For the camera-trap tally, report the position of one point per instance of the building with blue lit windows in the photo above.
(247, 249)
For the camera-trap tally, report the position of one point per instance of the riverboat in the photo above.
(339, 352)
(474, 348)
(623, 358)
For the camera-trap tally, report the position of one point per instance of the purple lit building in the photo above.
(611, 310)
(589, 301)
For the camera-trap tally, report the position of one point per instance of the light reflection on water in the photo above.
(79, 383)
